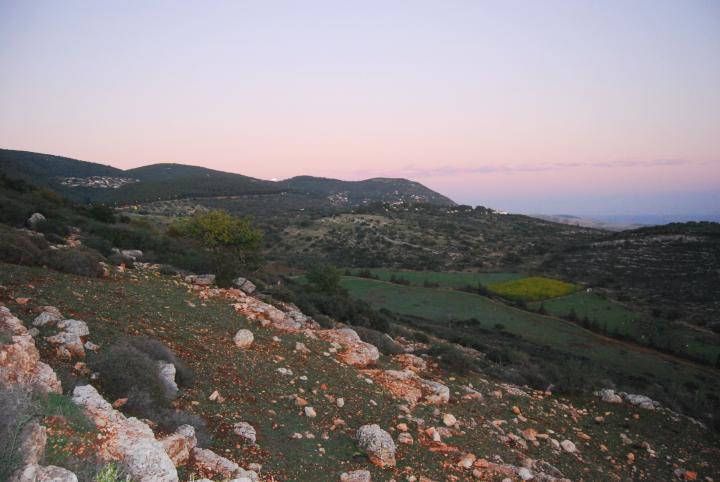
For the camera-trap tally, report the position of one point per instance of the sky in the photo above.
(576, 107)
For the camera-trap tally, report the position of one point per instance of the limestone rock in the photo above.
(55, 474)
(68, 345)
(200, 279)
(356, 476)
(354, 351)
(20, 360)
(49, 316)
(208, 460)
(640, 401)
(180, 444)
(568, 446)
(243, 338)
(609, 396)
(167, 376)
(126, 440)
(246, 431)
(377, 444)
(74, 327)
(407, 385)
(133, 254)
(35, 219)
(245, 285)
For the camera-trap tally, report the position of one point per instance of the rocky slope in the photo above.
(286, 399)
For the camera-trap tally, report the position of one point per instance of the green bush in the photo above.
(125, 371)
(382, 341)
(82, 261)
(157, 351)
(452, 358)
(16, 411)
(18, 248)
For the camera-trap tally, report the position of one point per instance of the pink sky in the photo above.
(483, 101)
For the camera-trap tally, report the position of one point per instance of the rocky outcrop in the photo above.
(208, 461)
(20, 360)
(267, 314)
(179, 445)
(200, 279)
(69, 341)
(377, 444)
(354, 351)
(609, 396)
(640, 401)
(35, 219)
(49, 315)
(128, 441)
(245, 285)
(133, 254)
(407, 385)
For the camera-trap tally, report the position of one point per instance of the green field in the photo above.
(449, 279)
(440, 306)
(612, 316)
(534, 288)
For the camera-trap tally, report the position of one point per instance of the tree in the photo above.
(326, 278)
(234, 242)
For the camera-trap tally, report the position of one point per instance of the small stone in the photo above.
(525, 474)
(449, 419)
(467, 460)
(568, 446)
(405, 438)
(340, 402)
(310, 412)
(355, 476)
(243, 338)
(246, 431)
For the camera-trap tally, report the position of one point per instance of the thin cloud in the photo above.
(448, 170)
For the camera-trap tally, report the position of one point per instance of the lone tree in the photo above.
(234, 242)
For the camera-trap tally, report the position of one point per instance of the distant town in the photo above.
(101, 182)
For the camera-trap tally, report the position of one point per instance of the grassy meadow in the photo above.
(441, 307)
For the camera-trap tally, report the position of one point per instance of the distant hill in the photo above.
(90, 182)
(367, 191)
(45, 168)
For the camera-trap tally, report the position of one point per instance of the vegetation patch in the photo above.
(534, 288)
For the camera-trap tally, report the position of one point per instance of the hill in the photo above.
(673, 270)
(91, 182)
(46, 169)
(367, 191)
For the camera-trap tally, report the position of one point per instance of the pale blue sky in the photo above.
(558, 106)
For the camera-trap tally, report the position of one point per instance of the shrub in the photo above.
(16, 412)
(157, 351)
(19, 248)
(382, 341)
(55, 226)
(82, 261)
(452, 358)
(126, 371)
(111, 473)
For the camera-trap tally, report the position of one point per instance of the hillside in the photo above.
(306, 396)
(367, 191)
(46, 169)
(90, 182)
(674, 269)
